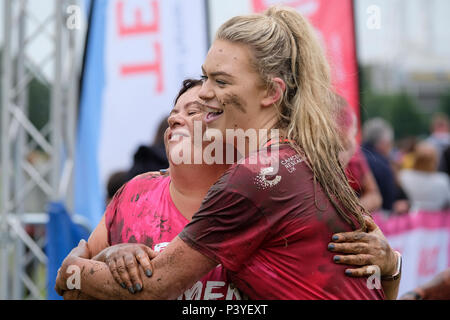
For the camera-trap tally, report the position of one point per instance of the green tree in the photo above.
(445, 103)
(399, 109)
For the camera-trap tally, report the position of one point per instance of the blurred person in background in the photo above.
(404, 157)
(436, 289)
(146, 159)
(115, 182)
(356, 168)
(426, 188)
(378, 139)
(445, 161)
(150, 158)
(440, 135)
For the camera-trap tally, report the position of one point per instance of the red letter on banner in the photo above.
(153, 67)
(428, 261)
(139, 27)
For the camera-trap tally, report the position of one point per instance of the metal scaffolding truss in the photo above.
(19, 175)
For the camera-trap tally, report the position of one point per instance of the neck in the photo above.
(274, 134)
(190, 184)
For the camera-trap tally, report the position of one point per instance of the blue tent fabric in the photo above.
(89, 192)
(62, 236)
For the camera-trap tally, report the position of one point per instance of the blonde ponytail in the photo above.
(284, 45)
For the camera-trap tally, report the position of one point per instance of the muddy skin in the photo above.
(235, 101)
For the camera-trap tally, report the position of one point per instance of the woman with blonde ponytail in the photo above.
(269, 218)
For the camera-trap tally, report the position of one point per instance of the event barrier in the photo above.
(423, 239)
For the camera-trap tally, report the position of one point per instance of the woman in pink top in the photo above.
(246, 214)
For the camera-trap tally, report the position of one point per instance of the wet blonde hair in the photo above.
(284, 45)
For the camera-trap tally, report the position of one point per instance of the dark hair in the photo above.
(159, 136)
(115, 182)
(187, 85)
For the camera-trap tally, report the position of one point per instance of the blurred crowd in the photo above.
(412, 175)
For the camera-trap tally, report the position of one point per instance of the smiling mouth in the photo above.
(212, 114)
(177, 136)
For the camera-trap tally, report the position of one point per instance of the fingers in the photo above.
(123, 274)
(365, 271)
(113, 268)
(133, 272)
(371, 225)
(350, 236)
(354, 260)
(151, 254)
(143, 258)
(349, 247)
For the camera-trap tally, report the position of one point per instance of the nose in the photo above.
(206, 92)
(175, 120)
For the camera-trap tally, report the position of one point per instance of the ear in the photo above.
(274, 92)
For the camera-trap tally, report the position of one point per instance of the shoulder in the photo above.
(265, 171)
(442, 178)
(148, 179)
(146, 182)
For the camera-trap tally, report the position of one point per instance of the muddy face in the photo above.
(231, 90)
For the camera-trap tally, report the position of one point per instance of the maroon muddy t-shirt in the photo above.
(271, 232)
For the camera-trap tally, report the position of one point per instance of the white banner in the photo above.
(138, 54)
(423, 239)
(151, 47)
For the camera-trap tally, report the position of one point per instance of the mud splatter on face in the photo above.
(234, 101)
(132, 239)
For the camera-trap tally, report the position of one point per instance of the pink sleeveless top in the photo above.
(142, 211)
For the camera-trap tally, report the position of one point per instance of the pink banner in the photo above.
(334, 21)
(423, 238)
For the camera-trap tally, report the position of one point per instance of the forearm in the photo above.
(390, 288)
(438, 288)
(174, 270)
(76, 295)
(371, 201)
(97, 281)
